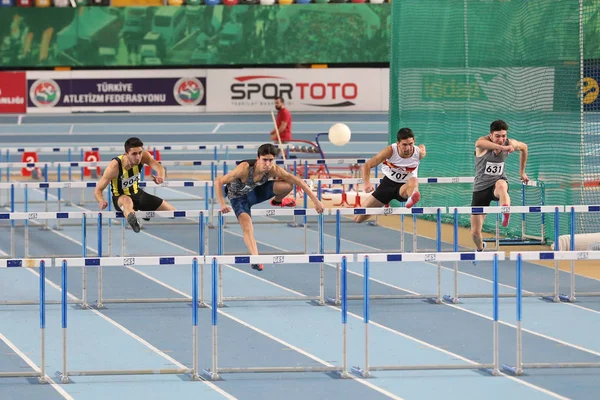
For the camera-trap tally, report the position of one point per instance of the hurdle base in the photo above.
(196, 377)
(433, 300)
(82, 306)
(332, 301)
(451, 300)
(491, 371)
(317, 303)
(566, 298)
(42, 380)
(63, 378)
(551, 299)
(296, 225)
(97, 306)
(510, 370)
(211, 376)
(361, 373)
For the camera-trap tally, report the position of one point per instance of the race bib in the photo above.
(398, 176)
(127, 183)
(494, 168)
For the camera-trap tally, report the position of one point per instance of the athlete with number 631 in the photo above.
(491, 183)
(400, 165)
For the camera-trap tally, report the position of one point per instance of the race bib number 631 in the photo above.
(494, 168)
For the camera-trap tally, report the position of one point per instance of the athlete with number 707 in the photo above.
(491, 183)
(400, 165)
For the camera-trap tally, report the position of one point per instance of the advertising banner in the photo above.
(12, 92)
(316, 90)
(133, 91)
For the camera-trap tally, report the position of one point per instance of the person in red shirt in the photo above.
(284, 122)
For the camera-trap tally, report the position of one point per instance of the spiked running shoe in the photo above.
(132, 220)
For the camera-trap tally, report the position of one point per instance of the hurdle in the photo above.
(519, 257)
(32, 263)
(572, 287)
(90, 185)
(66, 263)
(526, 239)
(496, 210)
(366, 259)
(269, 212)
(214, 372)
(202, 245)
(99, 217)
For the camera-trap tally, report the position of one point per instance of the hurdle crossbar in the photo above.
(366, 259)
(32, 263)
(519, 257)
(214, 372)
(65, 373)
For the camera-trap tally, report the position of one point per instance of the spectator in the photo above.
(283, 121)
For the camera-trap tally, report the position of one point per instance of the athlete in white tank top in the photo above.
(401, 169)
(400, 163)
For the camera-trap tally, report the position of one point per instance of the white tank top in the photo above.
(401, 169)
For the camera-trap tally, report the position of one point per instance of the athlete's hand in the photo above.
(524, 178)
(157, 179)
(319, 207)
(368, 187)
(103, 204)
(225, 209)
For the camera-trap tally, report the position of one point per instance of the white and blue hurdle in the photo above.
(27, 186)
(214, 372)
(497, 210)
(366, 259)
(519, 257)
(572, 210)
(194, 261)
(41, 264)
(98, 217)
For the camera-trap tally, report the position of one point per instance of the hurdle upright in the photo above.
(214, 372)
(519, 257)
(366, 259)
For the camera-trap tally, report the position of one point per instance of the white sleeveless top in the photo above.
(400, 169)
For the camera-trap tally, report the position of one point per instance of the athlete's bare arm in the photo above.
(384, 154)
(110, 173)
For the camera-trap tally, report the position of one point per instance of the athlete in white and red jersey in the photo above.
(400, 165)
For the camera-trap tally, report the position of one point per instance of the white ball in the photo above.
(339, 134)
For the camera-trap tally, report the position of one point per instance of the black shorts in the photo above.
(483, 198)
(142, 201)
(388, 190)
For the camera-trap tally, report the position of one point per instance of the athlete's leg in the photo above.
(280, 190)
(126, 205)
(476, 227)
(501, 193)
(410, 191)
(371, 202)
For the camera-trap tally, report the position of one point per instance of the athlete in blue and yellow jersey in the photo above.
(123, 175)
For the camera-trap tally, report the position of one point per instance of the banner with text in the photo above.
(317, 90)
(13, 92)
(97, 91)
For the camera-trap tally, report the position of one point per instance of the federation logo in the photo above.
(44, 93)
(188, 91)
